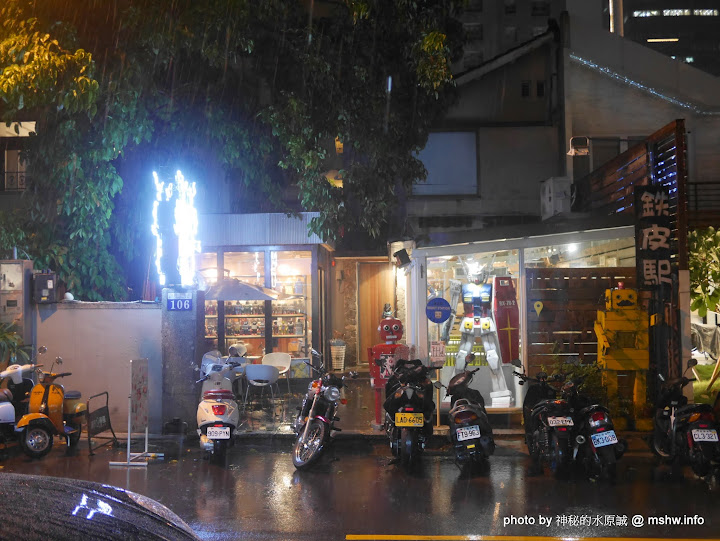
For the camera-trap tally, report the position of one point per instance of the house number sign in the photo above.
(179, 302)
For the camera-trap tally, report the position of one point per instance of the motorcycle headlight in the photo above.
(332, 393)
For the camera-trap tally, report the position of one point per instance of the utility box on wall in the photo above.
(44, 288)
(15, 283)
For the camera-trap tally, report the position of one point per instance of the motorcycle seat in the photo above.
(218, 394)
(73, 395)
(6, 395)
(693, 408)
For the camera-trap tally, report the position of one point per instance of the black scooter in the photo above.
(548, 424)
(470, 430)
(408, 411)
(596, 446)
(684, 433)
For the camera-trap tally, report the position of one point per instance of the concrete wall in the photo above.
(618, 88)
(96, 342)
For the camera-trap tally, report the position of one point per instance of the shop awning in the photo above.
(235, 290)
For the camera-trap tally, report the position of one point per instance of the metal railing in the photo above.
(703, 204)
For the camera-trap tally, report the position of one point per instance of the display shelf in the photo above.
(286, 317)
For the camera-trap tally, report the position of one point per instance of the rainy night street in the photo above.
(355, 493)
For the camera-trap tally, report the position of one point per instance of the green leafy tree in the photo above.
(262, 89)
(704, 263)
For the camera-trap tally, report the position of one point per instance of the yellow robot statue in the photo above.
(623, 347)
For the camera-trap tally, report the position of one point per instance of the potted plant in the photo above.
(12, 349)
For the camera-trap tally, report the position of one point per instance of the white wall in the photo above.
(96, 342)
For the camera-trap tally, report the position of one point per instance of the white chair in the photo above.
(260, 376)
(282, 362)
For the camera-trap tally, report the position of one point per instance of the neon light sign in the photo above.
(185, 228)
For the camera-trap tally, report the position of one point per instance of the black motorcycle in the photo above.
(316, 418)
(408, 411)
(548, 424)
(596, 446)
(684, 433)
(470, 430)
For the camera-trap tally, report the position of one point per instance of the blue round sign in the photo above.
(438, 310)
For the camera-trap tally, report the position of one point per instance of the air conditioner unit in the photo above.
(555, 196)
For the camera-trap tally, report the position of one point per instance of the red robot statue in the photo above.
(382, 358)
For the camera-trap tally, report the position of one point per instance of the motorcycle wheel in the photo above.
(659, 438)
(74, 438)
(219, 450)
(608, 463)
(306, 453)
(700, 460)
(408, 448)
(558, 456)
(36, 441)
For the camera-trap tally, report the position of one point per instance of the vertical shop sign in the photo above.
(653, 235)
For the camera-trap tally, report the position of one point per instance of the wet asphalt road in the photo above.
(259, 495)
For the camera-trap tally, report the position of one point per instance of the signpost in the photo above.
(138, 412)
(438, 310)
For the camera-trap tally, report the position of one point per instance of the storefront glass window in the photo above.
(206, 265)
(587, 254)
(481, 288)
(291, 324)
(245, 319)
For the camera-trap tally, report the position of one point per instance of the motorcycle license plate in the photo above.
(560, 421)
(604, 438)
(468, 433)
(218, 432)
(700, 434)
(409, 419)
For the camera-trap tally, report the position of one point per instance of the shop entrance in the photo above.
(375, 288)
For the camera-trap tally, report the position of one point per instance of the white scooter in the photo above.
(218, 414)
(14, 399)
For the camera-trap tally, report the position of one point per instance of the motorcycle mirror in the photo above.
(516, 362)
(58, 360)
(542, 375)
(437, 385)
(315, 352)
(691, 362)
(42, 349)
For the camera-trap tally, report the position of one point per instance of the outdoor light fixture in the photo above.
(179, 196)
(579, 146)
(402, 259)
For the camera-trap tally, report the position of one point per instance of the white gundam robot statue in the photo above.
(487, 300)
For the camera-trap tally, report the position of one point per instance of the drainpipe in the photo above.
(617, 25)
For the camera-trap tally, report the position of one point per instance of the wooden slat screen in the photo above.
(571, 298)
